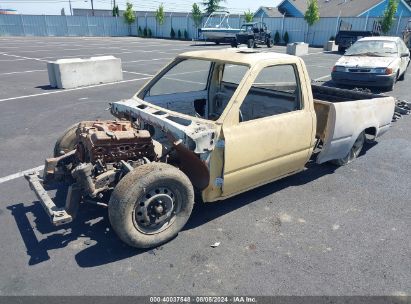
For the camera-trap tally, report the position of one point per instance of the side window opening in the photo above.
(275, 91)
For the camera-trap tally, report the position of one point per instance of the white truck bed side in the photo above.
(346, 120)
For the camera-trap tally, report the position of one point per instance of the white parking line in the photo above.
(32, 71)
(8, 60)
(20, 174)
(322, 77)
(23, 57)
(74, 89)
(144, 60)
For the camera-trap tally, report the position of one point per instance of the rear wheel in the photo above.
(234, 44)
(250, 43)
(150, 205)
(341, 49)
(354, 152)
(269, 43)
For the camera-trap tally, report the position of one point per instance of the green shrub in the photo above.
(139, 31)
(277, 38)
(185, 35)
(179, 34)
(286, 38)
(332, 38)
(172, 34)
(145, 32)
(150, 34)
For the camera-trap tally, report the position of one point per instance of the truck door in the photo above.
(271, 133)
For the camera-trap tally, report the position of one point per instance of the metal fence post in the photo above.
(45, 25)
(67, 27)
(398, 24)
(22, 25)
(104, 27)
(366, 22)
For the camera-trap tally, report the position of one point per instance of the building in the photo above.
(7, 11)
(343, 8)
(266, 11)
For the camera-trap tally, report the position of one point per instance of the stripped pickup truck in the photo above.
(211, 123)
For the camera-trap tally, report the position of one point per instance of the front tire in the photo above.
(250, 43)
(354, 151)
(66, 142)
(402, 77)
(150, 205)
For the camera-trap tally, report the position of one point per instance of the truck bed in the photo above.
(343, 114)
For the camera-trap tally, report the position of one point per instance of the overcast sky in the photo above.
(53, 7)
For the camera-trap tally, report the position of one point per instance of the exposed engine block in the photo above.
(112, 141)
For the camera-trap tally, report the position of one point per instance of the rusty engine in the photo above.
(104, 152)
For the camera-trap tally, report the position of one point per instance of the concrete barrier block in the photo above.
(52, 74)
(297, 48)
(77, 72)
(330, 46)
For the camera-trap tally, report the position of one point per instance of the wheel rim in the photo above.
(156, 210)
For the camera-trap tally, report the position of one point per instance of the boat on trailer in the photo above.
(217, 28)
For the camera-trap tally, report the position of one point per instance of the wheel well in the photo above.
(371, 133)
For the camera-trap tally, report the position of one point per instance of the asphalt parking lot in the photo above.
(325, 231)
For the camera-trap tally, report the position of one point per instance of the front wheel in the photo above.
(66, 142)
(354, 152)
(150, 205)
(250, 43)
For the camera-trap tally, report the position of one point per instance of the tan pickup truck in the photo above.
(215, 123)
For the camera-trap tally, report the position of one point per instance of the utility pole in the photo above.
(92, 8)
(71, 11)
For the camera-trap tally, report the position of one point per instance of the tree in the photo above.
(116, 11)
(172, 33)
(212, 5)
(129, 16)
(196, 15)
(160, 15)
(277, 38)
(389, 16)
(312, 15)
(248, 16)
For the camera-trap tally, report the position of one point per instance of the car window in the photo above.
(187, 76)
(276, 90)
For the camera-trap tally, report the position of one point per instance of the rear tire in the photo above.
(269, 43)
(66, 142)
(354, 151)
(250, 43)
(234, 44)
(341, 49)
(150, 205)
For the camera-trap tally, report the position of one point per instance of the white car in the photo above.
(373, 62)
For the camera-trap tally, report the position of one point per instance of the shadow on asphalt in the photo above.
(91, 229)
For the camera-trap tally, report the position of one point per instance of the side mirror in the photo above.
(405, 55)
